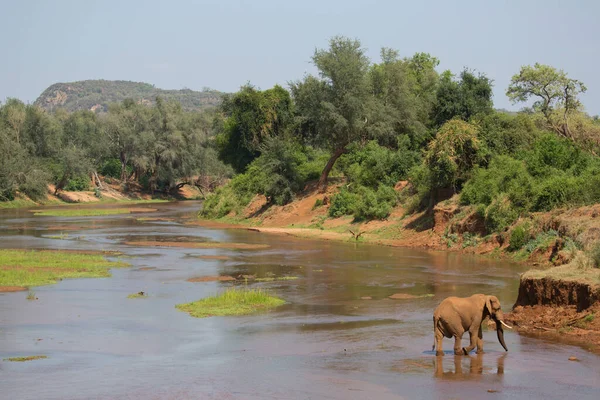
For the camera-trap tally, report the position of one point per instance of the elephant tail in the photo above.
(435, 323)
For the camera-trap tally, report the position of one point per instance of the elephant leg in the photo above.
(473, 342)
(479, 341)
(439, 337)
(457, 344)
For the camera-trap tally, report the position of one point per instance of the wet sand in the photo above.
(325, 343)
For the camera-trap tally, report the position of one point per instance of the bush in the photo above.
(372, 165)
(342, 203)
(504, 175)
(505, 134)
(112, 168)
(374, 205)
(34, 184)
(550, 153)
(557, 190)
(78, 183)
(518, 238)
(220, 203)
(500, 214)
(453, 153)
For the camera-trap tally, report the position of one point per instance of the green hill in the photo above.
(97, 94)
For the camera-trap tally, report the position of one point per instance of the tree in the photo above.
(13, 115)
(464, 98)
(336, 106)
(127, 127)
(453, 153)
(404, 91)
(554, 91)
(251, 116)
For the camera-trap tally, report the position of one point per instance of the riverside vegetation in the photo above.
(369, 126)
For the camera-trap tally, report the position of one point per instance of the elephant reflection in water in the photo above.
(475, 367)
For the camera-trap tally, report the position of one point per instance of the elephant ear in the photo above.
(488, 304)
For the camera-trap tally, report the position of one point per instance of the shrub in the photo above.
(342, 203)
(78, 183)
(220, 203)
(453, 153)
(112, 168)
(374, 205)
(500, 214)
(34, 183)
(504, 174)
(542, 240)
(372, 165)
(505, 134)
(518, 238)
(551, 152)
(556, 191)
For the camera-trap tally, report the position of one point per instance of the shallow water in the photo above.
(325, 343)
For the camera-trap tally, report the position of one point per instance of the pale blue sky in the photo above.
(224, 44)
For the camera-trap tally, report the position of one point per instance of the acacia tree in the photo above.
(335, 107)
(553, 90)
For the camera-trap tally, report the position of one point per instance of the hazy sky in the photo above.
(224, 44)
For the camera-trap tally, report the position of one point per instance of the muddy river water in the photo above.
(338, 337)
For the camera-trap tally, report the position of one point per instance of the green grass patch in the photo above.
(26, 358)
(41, 267)
(231, 302)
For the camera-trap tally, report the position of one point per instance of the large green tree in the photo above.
(404, 94)
(336, 107)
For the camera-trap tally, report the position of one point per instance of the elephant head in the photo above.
(493, 310)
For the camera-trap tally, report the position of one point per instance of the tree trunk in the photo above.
(322, 185)
(123, 159)
(97, 178)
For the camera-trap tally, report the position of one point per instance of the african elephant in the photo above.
(457, 315)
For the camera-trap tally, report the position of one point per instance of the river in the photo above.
(330, 341)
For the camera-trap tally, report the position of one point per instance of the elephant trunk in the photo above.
(499, 330)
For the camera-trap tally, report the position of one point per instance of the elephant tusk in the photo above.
(502, 322)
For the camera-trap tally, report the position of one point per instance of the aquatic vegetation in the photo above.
(25, 358)
(42, 267)
(232, 302)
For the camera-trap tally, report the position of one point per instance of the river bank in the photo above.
(547, 303)
(109, 192)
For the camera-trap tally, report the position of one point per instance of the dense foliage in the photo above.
(161, 147)
(379, 123)
(368, 124)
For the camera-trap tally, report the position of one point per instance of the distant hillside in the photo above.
(95, 95)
